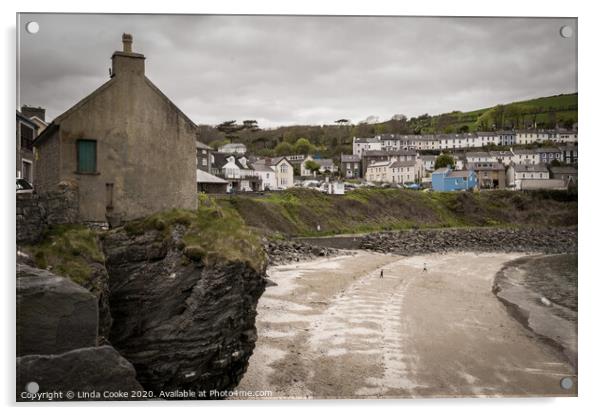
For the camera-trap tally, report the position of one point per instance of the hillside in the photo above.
(332, 140)
(297, 212)
(546, 112)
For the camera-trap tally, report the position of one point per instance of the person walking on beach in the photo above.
(381, 273)
(424, 269)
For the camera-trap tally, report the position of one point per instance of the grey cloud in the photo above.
(303, 69)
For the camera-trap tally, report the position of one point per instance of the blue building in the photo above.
(447, 180)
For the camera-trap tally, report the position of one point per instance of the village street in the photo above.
(332, 328)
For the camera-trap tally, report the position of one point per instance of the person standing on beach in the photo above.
(381, 273)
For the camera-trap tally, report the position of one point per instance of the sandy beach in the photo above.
(332, 328)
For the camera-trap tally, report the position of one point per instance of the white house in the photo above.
(392, 171)
(525, 156)
(563, 136)
(284, 173)
(360, 145)
(480, 157)
(389, 142)
(517, 173)
(401, 172)
(489, 138)
(377, 171)
(504, 157)
(267, 176)
(531, 136)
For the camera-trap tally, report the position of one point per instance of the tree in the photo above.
(284, 149)
(312, 166)
(250, 125)
(230, 128)
(215, 144)
(303, 146)
(444, 160)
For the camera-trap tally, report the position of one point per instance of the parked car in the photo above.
(23, 186)
(412, 186)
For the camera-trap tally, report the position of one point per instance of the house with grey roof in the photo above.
(516, 174)
(351, 166)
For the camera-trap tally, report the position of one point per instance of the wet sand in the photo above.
(333, 328)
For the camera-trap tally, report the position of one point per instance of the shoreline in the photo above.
(553, 324)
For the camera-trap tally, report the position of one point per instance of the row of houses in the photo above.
(460, 141)
(494, 175)
(356, 166)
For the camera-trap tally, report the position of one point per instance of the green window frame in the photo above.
(86, 156)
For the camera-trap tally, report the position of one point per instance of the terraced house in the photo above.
(549, 154)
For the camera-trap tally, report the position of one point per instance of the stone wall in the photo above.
(31, 218)
(35, 212)
(418, 242)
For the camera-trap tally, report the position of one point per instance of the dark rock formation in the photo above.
(54, 314)
(415, 242)
(182, 323)
(283, 252)
(81, 371)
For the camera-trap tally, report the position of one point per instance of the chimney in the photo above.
(127, 39)
(34, 111)
(126, 62)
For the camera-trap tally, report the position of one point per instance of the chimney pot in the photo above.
(127, 42)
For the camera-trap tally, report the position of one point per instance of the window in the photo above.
(26, 137)
(26, 170)
(86, 156)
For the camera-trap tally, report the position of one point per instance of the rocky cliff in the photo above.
(182, 322)
(180, 289)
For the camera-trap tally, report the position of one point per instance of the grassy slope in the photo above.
(538, 108)
(298, 211)
(214, 233)
(68, 250)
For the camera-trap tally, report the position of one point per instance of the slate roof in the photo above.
(204, 177)
(478, 154)
(548, 150)
(536, 168)
(563, 170)
(459, 173)
(350, 158)
(486, 166)
(369, 153)
(407, 163)
(203, 146)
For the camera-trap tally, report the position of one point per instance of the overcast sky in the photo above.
(283, 70)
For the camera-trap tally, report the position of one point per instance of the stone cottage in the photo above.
(128, 149)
